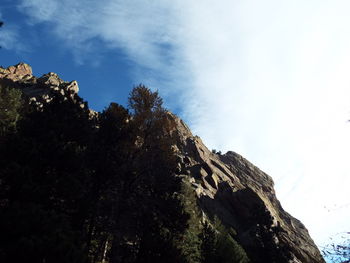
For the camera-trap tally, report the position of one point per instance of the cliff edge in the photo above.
(243, 197)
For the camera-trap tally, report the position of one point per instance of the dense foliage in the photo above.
(338, 250)
(219, 245)
(81, 188)
(10, 109)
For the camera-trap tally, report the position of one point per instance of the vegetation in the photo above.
(10, 109)
(338, 250)
(219, 245)
(76, 188)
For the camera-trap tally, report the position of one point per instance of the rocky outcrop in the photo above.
(40, 89)
(243, 197)
(16, 72)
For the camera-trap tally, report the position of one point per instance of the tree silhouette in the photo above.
(77, 188)
(134, 209)
(11, 104)
(43, 185)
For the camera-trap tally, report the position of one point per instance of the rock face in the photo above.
(37, 89)
(227, 186)
(243, 197)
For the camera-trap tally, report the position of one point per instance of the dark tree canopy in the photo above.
(143, 101)
(10, 109)
(79, 188)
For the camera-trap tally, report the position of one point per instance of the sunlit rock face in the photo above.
(243, 197)
(37, 89)
(16, 72)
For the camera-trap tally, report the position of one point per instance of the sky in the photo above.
(267, 79)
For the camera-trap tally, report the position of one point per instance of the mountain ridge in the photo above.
(234, 170)
(227, 185)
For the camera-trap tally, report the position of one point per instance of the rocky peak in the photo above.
(40, 89)
(17, 72)
(243, 197)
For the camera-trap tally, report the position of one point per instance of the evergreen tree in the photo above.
(209, 244)
(219, 245)
(159, 210)
(43, 185)
(11, 104)
(77, 189)
(111, 193)
(136, 210)
(190, 243)
(265, 235)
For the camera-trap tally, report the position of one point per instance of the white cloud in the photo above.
(268, 79)
(9, 38)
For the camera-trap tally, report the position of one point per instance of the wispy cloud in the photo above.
(268, 79)
(132, 26)
(9, 37)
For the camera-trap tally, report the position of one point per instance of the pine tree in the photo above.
(161, 212)
(43, 185)
(11, 104)
(190, 243)
(219, 245)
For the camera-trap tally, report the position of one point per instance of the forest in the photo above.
(83, 187)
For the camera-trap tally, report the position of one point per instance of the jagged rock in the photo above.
(38, 90)
(16, 72)
(50, 79)
(243, 197)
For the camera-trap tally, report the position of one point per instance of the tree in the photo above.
(80, 189)
(111, 192)
(265, 236)
(136, 215)
(219, 245)
(11, 104)
(190, 242)
(43, 185)
(338, 251)
(161, 214)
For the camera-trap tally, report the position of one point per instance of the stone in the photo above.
(51, 79)
(73, 87)
(37, 89)
(242, 197)
(16, 72)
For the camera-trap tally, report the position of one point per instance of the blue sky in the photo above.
(103, 74)
(267, 79)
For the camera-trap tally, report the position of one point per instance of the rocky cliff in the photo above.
(243, 197)
(227, 185)
(37, 89)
